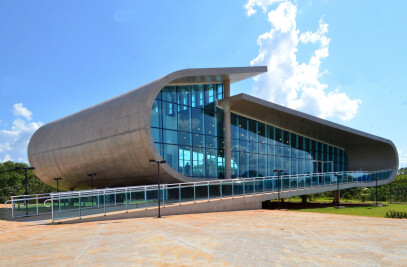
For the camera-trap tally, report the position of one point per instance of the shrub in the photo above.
(396, 214)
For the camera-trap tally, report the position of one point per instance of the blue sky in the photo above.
(340, 60)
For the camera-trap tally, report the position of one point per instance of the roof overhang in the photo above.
(299, 122)
(215, 75)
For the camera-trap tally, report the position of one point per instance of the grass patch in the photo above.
(368, 211)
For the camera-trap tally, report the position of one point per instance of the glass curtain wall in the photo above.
(188, 130)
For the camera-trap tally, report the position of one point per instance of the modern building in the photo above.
(189, 119)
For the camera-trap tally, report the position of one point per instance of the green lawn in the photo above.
(371, 211)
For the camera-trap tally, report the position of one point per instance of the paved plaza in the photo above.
(239, 238)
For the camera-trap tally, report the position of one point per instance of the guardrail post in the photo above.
(115, 202)
(52, 210)
(104, 202)
(36, 201)
(126, 201)
(233, 190)
(244, 189)
(208, 191)
(254, 186)
(264, 185)
(145, 197)
(220, 190)
(98, 200)
(179, 193)
(163, 196)
(80, 207)
(12, 208)
(59, 203)
(194, 193)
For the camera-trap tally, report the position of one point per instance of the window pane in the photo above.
(168, 94)
(197, 97)
(197, 121)
(183, 93)
(169, 115)
(184, 118)
(155, 119)
(171, 155)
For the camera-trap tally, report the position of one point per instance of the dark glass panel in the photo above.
(211, 142)
(197, 96)
(184, 95)
(169, 94)
(171, 155)
(253, 165)
(197, 121)
(262, 165)
(169, 115)
(155, 119)
(210, 94)
(220, 91)
(286, 138)
(235, 145)
(170, 137)
(221, 125)
(278, 137)
(243, 129)
(198, 140)
(184, 139)
(244, 165)
(235, 164)
(211, 164)
(253, 147)
(198, 162)
(243, 146)
(156, 133)
(184, 118)
(221, 163)
(234, 128)
(210, 123)
(252, 131)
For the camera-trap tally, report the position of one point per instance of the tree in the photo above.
(12, 182)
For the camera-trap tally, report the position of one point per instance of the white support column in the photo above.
(227, 120)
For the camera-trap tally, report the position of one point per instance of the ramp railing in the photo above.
(77, 204)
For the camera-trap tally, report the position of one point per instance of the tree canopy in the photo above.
(12, 181)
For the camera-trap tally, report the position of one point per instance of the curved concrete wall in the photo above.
(113, 139)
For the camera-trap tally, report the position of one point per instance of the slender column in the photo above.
(227, 120)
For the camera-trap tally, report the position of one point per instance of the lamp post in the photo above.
(91, 179)
(26, 183)
(158, 183)
(337, 187)
(279, 185)
(57, 179)
(91, 183)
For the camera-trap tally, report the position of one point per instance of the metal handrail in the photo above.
(291, 182)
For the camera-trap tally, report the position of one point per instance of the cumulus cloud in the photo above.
(288, 82)
(402, 158)
(20, 110)
(14, 141)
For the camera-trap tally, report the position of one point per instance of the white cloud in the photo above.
(288, 82)
(263, 4)
(14, 141)
(402, 158)
(7, 157)
(20, 110)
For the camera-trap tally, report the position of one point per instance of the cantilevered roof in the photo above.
(299, 122)
(213, 75)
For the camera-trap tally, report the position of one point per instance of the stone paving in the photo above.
(239, 238)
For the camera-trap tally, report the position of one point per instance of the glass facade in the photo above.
(188, 131)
